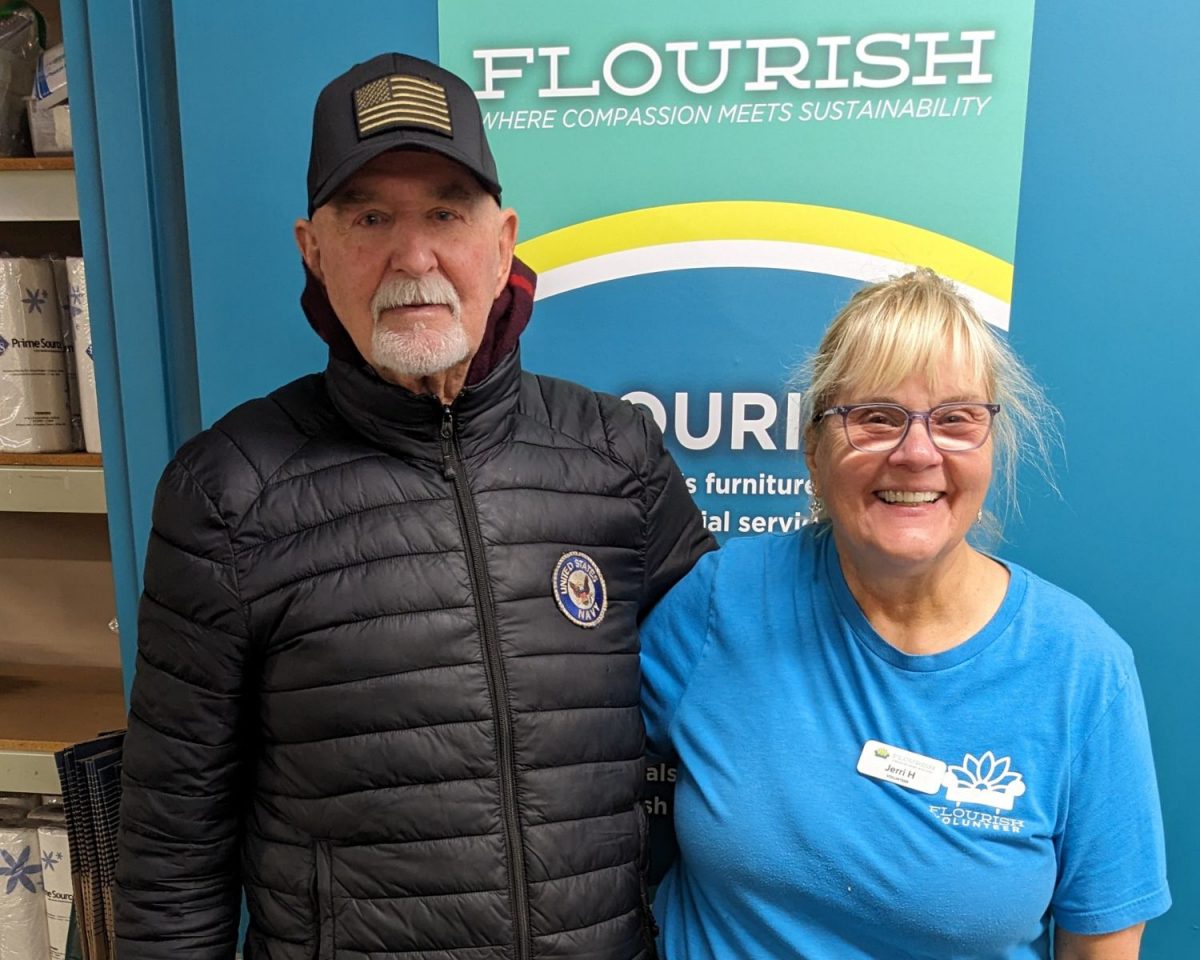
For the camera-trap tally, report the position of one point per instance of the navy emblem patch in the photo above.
(579, 589)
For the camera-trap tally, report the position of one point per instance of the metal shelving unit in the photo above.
(42, 190)
(28, 771)
(34, 189)
(52, 483)
(43, 709)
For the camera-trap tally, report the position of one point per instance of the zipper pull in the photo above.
(448, 470)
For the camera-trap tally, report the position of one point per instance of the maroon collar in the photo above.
(508, 318)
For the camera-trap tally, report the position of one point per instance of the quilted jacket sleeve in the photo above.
(178, 884)
(675, 534)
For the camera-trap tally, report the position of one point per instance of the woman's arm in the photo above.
(1122, 945)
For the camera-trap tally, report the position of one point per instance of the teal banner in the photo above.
(702, 186)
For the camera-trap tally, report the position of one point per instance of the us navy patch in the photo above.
(579, 589)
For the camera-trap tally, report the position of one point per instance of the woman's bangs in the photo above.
(891, 345)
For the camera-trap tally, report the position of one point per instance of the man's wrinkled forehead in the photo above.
(448, 182)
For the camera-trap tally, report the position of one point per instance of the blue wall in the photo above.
(132, 217)
(245, 123)
(1104, 310)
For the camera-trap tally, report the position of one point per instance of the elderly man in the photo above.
(387, 679)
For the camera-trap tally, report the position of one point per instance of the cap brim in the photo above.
(397, 140)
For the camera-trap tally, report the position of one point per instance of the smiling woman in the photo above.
(988, 724)
(919, 324)
(901, 501)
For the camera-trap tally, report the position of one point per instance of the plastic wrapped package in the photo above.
(84, 365)
(56, 881)
(49, 114)
(51, 822)
(50, 78)
(20, 44)
(63, 288)
(50, 130)
(35, 414)
(23, 929)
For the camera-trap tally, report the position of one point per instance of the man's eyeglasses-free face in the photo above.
(881, 427)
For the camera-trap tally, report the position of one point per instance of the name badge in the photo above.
(903, 767)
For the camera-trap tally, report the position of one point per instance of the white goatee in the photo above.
(417, 349)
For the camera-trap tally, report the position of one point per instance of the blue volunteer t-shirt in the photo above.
(1031, 794)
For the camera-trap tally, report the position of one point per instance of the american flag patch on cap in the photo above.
(401, 101)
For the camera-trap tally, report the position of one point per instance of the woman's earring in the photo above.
(816, 509)
(979, 516)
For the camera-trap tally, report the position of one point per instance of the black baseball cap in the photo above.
(394, 101)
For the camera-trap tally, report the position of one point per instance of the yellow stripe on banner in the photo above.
(771, 220)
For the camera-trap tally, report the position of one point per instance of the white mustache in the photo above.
(415, 292)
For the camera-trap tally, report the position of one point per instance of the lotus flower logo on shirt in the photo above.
(3, 346)
(984, 781)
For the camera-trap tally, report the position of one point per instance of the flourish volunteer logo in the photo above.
(981, 781)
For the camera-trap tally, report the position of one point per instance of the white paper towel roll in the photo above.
(56, 880)
(35, 415)
(63, 289)
(23, 931)
(80, 317)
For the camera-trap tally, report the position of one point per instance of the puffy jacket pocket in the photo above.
(649, 926)
(322, 896)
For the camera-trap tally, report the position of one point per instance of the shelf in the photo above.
(46, 708)
(36, 163)
(37, 188)
(52, 483)
(27, 771)
(8, 459)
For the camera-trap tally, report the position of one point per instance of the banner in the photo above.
(702, 186)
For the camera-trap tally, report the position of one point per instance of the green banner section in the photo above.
(911, 113)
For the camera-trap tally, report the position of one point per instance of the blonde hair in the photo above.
(908, 325)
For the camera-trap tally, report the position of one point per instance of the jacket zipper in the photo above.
(485, 610)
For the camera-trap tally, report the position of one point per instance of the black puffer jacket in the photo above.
(357, 693)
